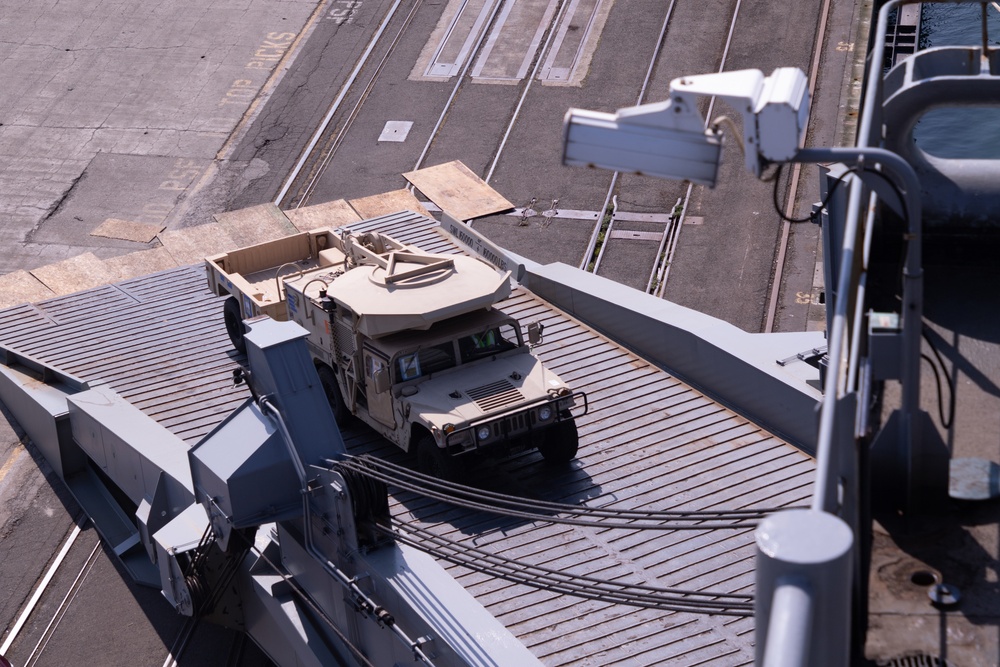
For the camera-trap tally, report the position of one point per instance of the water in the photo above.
(959, 133)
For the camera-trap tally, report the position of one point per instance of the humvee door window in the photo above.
(409, 367)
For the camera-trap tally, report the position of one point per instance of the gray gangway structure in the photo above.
(908, 238)
(642, 549)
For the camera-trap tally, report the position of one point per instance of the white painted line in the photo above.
(491, 40)
(444, 69)
(40, 589)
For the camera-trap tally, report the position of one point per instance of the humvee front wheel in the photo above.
(433, 461)
(560, 442)
(234, 324)
(332, 390)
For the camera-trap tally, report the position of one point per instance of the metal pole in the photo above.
(902, 174)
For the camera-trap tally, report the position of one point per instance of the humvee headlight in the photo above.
(545, 413)
(448, 428)
(484, 432)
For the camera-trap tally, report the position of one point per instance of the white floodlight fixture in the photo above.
(669, 139)
(627, 141)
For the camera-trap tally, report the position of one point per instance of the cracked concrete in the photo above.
(160, 87)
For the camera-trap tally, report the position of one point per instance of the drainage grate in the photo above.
(916, 661)
(495, 395)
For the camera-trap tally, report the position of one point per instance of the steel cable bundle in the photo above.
(540, 510)
(548, 579)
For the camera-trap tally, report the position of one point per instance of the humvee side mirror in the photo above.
(381, 379)
(535, 330)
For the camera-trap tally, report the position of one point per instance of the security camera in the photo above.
(670, 139)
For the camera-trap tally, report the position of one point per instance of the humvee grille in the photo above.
(495, 395)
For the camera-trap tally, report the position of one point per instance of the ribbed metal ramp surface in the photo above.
(648, 442)
(157, 340)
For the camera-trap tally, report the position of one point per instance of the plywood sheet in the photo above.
(328, 214)
(127, 230)
(458, 191)
(140, 263)
(74, 274)
(256, 224)
(388, 202)
(193, 244)
(21, 287)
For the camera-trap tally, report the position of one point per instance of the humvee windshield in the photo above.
(440, 357)
(485, 343)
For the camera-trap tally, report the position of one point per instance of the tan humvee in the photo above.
(408, 342)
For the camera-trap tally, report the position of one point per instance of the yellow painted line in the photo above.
(272, 81)
(239, 131)
(11, 460)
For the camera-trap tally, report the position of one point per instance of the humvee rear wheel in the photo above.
(332, 391)
(561, 442)
(234, 324)
(434, 461)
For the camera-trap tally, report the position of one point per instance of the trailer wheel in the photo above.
(234, 324)
(433, 461)
(332, 391)
(561, 442)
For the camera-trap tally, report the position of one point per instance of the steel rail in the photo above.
(458, 85)
(331, 147)
(678, 224)
(527, 86)
(595, 235)
(307, 152)
(62, 608)
(779, 268)
(40, 589)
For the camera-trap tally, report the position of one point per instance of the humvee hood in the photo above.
(487, 387)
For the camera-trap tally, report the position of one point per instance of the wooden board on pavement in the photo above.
(334, 213)
(256, 224)
(458, 191)
(74, 274)
(21, 287)
(388, 202)
(192, 245)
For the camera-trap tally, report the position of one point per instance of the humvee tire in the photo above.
(332, 391)
(432, 460)
(234, 324)
(561, 442)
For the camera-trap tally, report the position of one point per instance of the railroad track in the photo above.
(642, 219)
(44, 620)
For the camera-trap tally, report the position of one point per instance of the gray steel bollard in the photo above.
(803, 600)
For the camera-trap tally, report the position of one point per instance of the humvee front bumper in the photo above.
(498, 428)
